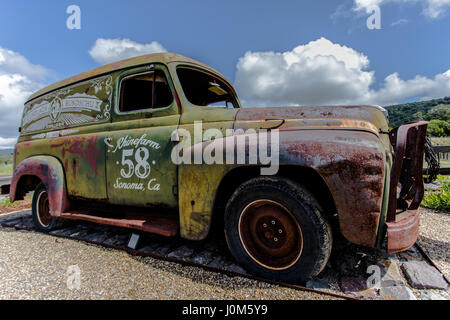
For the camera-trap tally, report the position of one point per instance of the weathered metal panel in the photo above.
(82, 157)
(366, 118)
(351, 164)
(407, 188)
(85, 103)
(409, 143)
(50, 171)
(148, 151)
(403, 233)
(198, 185)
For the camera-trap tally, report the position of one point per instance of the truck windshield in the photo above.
(203, 89)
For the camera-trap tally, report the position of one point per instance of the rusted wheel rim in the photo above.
(43, 209)
(270, 234)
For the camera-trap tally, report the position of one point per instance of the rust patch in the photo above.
(407, 189)
(92, 153)
(82, 147)
(50, 172)
(352, 165)
(74, 169)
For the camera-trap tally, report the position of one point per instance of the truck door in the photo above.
(139, 169)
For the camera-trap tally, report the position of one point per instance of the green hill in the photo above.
(436, 109)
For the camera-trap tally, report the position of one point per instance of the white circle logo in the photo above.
(55, 108)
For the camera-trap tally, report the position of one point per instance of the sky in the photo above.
(274, 52)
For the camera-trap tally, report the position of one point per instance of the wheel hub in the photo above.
(43, 209)
(270, 234)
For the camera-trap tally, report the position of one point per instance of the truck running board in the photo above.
(162, 224)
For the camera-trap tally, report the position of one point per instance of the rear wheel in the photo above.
(42, 218)
(275, 229)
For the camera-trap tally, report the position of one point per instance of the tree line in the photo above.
(436, 111)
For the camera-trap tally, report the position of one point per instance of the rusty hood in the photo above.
(370, 118)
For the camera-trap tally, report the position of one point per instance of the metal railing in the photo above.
(443, 153)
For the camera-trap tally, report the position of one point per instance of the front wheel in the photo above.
(275, 229)
(43, 220)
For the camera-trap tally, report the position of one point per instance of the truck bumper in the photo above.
(406, 186)
(402, 233)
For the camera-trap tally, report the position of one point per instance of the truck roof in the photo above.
(165, 57)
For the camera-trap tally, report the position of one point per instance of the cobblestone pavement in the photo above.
(352, 270)
(434, 238)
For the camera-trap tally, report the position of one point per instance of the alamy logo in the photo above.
(374, 21)
(374, 280)
(238, 146)
(74, 20)
(73, 277)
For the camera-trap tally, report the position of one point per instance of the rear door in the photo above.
(139, 169)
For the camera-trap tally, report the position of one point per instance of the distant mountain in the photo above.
(6, 152)
(407, 112)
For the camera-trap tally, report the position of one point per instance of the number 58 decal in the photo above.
(140, 168)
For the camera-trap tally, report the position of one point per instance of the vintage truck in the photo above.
(99, 147)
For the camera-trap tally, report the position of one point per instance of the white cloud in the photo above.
(6, 143)
(436, 8)
(396, 89)
(322, 72)
(399, 22)
(19, 78)
(367, 4)
(431, 8)
(14, 63)
(110, 50)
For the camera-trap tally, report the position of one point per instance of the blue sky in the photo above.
(219, 32)
(411, 49)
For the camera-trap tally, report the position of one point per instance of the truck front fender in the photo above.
(351, 163)
(50, 172)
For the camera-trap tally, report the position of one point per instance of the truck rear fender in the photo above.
(45, 169)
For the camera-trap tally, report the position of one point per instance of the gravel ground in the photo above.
(434, 238)
(122, 276)
(35, 266)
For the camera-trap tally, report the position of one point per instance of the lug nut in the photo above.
(273, 221)
(275, 239)
(280, 231)
(265, 225)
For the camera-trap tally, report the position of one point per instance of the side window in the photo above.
(148, 90)
(203, 89)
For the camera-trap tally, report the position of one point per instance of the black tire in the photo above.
(42, 223)
(306, 246)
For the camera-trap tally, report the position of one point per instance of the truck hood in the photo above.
(371, 118)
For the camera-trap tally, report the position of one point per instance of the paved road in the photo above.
(5, 180)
